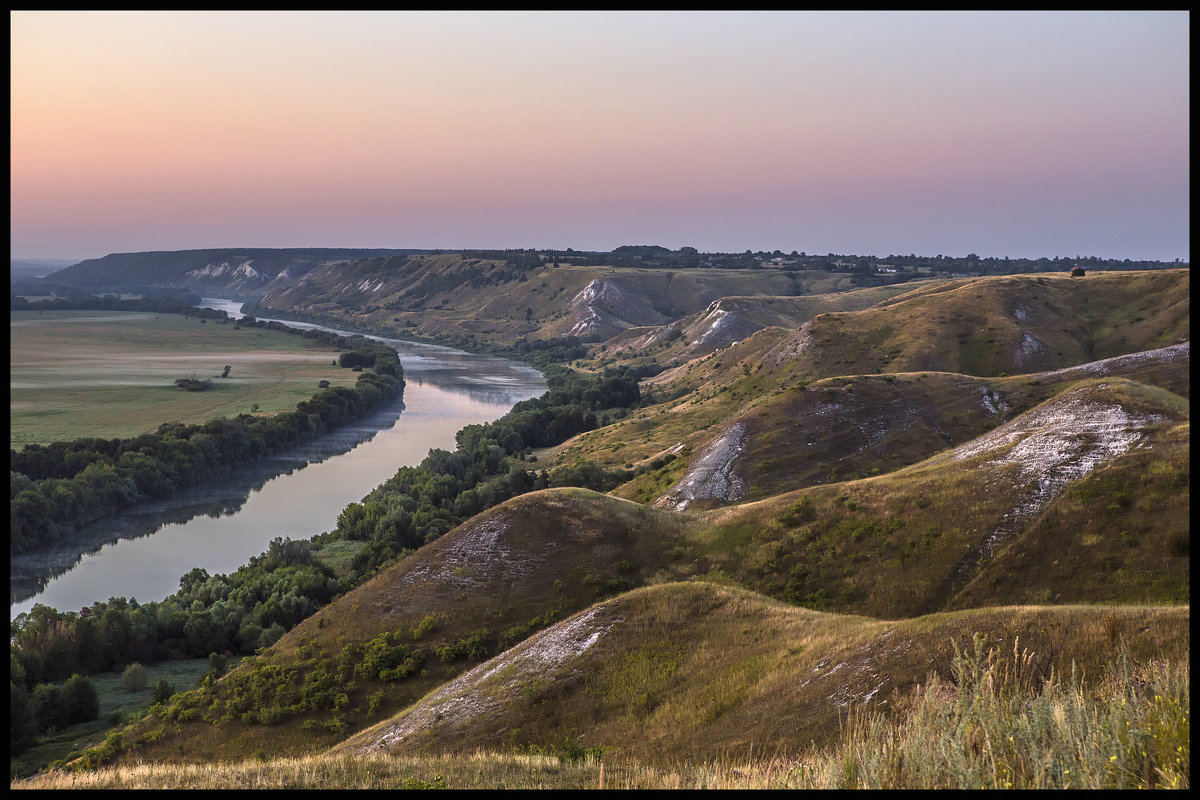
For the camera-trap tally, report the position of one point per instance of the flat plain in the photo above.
(112, 374)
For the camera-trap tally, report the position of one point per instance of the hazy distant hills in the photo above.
(457, 297)
(240, 271)
(34, 269)
(833, 493)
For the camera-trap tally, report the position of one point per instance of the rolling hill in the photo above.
(836, 495)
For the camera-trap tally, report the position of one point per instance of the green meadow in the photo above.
(112, 374)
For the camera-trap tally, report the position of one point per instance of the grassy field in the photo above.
(111, 374)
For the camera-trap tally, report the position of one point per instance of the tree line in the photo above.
(158, 301)
(906, 266)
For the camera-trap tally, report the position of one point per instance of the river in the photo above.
(143, 553)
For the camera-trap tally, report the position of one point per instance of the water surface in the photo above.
(219, 525)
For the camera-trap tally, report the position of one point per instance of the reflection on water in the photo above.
(221, 525)
(29, 573)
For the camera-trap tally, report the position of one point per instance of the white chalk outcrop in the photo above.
(712, 475)
(719, 327)
(498, 681)
(1044, 450)
(227, 272)
(605, 307)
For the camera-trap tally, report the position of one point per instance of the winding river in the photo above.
(218, 526)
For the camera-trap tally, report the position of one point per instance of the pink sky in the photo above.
(1006, 134)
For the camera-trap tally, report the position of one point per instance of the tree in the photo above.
(80, 703)
(21, 722)
(225, 373)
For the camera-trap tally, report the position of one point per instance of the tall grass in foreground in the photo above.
(994, 727)
(1000, 723)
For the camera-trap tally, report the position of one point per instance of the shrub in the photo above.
(162, 692)
(79, 700)
(385, 658)
(193, 385)
(267, 694)
(473, 647)
(428, 625)
(323, 690)
(133, 679)
(217, 663)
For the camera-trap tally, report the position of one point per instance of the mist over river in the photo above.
(220, 525)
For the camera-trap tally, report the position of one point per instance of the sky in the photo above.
(1020, 134)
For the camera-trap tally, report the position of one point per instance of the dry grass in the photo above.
(995, 719)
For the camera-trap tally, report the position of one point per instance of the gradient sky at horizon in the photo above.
(1020, 134)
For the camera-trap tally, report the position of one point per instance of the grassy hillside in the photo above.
(832, 509)
(731, 319)
(929, 536)
(795, 432)
(701, 686)
(693, 671)
(935, 536)
(998, 326)
(490, 583)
